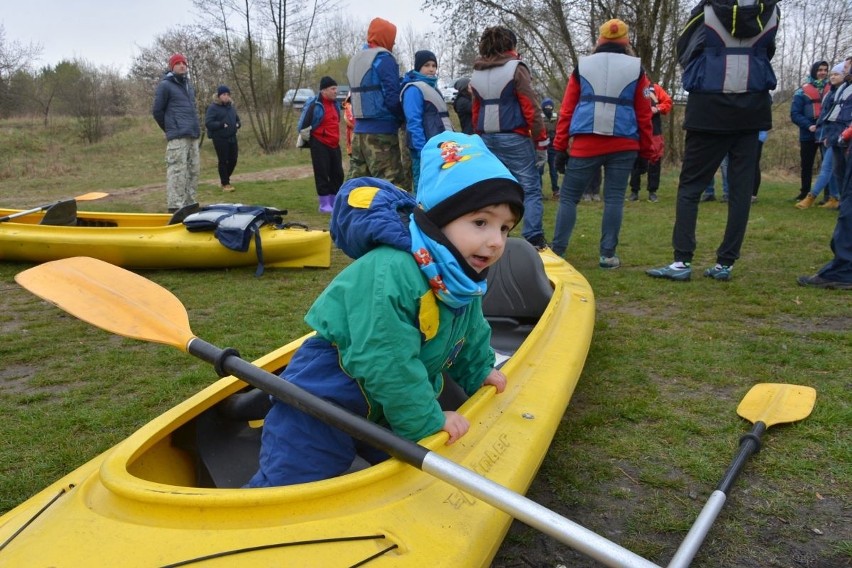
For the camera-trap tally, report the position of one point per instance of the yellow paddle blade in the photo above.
(111, 298)
(91, 196)
(773, 403)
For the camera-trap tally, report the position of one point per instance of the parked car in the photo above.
(342, 93)
(297, 97)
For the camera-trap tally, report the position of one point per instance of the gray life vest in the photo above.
(607, 90)
(365, 89)
(745, 63)
(499, 109)
(431, 96)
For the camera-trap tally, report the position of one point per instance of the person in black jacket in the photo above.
(174, 111)
(222, 122)
(725, 51)
(463, 105)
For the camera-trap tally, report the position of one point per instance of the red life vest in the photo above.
(815, 96)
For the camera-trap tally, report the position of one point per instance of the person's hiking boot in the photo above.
(832, 203)
(652, 197)
(680, 272)
(817, 281)
(806, 202)
(634, 196)
(719, 272)
(609, 262)
(539, 242)
(228, 187)
(707, 197)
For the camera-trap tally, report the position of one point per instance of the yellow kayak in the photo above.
(169, 495)
(147, 240)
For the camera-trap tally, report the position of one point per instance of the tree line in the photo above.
(262, 49)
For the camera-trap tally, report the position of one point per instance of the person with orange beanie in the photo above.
(373, 75)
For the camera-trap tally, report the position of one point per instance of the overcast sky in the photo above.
(110, 32)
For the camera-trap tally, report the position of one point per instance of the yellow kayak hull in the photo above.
(143, 241)
(138, 504)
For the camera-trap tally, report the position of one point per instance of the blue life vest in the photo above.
(366, 88)
(234, 225)
(436, 117)
(735, 41)
(607, 90)
(499, 108)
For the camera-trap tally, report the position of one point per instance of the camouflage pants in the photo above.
(182, 167)
(378, 155)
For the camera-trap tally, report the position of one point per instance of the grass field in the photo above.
(652, 425)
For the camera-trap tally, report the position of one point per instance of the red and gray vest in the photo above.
(815, 97)
(436, 117)
(366, 88)
(730, 64)
(499, 109)
(607, 91)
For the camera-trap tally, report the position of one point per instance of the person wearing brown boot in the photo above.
(807, 202)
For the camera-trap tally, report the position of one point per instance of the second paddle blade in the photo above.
(111, 298)
(773, 403)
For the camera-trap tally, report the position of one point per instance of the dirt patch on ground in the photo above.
(274, 174)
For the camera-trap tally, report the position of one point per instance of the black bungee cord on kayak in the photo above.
(287, 544)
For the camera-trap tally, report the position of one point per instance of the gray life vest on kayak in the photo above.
(436, 117)
(607, 91)
(234, 225)
(499, 109)
(366, 90)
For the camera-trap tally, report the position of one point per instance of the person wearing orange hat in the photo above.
(175, 112)
(604, 121)
(373, 75)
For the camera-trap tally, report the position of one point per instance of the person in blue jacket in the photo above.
(373, 75)
(222, 122)
(175, 113)
(406, 311)
(426, 112)
(804, 112)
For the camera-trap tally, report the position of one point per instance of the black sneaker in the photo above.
(539, 242)
(634, 196)
(816, 281)
(707, 197)
(652, 197)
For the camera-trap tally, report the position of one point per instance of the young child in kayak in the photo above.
(408, 309)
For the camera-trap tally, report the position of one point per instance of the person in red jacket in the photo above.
(661, 103)
(598, 133)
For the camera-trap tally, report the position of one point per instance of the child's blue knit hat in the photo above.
(459, 174)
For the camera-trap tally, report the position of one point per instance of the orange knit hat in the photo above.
(614, 31)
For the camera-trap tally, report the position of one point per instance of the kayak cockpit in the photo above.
(222, 442)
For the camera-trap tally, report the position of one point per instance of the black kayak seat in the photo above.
(517, 295)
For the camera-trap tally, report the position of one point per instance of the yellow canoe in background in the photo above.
(146, 240)
(169, 494)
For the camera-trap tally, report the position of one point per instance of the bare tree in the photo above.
(14, 57)
(268, 45)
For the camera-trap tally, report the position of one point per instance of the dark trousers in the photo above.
(227, 152)
(640, 167)
(703, 153)
(328, 167)
(807, 155)
(840, 267)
